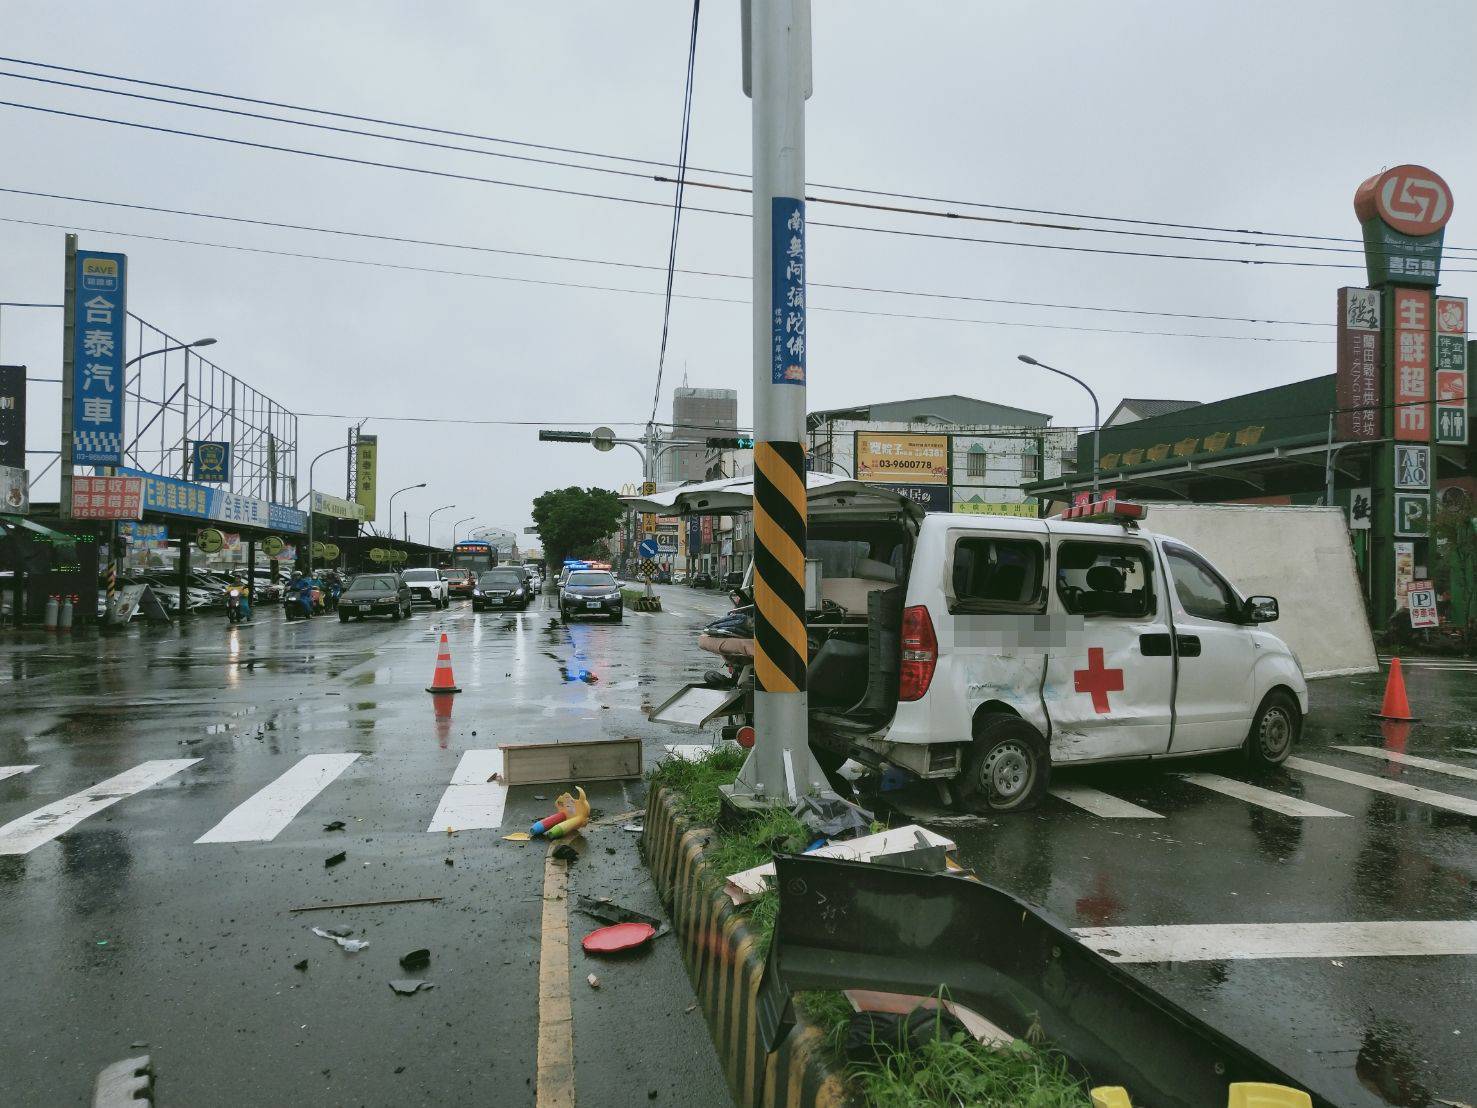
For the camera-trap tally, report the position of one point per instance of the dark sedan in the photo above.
(589, 592)
(501, 588)
(375, 594)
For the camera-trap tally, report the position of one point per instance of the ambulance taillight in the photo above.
(920, 653)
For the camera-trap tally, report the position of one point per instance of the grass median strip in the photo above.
(947, 1072)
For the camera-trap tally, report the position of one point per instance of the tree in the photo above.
(575, 522)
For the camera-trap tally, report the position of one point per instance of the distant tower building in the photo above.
(696, 414)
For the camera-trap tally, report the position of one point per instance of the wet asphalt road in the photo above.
(124, 930)
(1377, 1030)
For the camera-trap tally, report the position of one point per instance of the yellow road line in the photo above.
(555, 1017)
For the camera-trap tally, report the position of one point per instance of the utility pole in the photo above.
(780, 767)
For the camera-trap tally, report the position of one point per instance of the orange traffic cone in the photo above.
(1396, 706)
(443, 682)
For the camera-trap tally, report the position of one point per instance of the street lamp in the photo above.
(430, 517)
(168, 350)
(1096, 421)
(314, 462)
(457, 524)
(390, 511)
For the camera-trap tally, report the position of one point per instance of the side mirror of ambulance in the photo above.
(1261, 609)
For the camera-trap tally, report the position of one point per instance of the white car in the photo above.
(428, 586)
(981, 651)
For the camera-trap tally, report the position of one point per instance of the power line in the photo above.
(549, 189)
(643, 176)
(643, 266)
(681, 183)
(642, 292)
(632, 160)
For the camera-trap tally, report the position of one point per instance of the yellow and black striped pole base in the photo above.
(779, 567)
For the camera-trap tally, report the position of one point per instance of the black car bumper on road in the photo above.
(500, 599)
(353, 607)
(573, 604)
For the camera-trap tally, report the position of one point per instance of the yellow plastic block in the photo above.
(1111, 1096)
(1254, 1094)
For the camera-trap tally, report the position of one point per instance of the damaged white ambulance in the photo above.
(980, 651)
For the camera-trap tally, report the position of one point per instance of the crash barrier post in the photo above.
(1396, 705)
(443, 681)
(718, 949)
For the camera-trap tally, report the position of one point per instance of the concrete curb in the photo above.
(718, 950)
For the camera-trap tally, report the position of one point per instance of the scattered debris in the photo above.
(608, 911)
(329, 863)
(576, 811)
(353, 946)
(336, 825)
(540, 796)
(407, 986)
(610, 850)
(495, 776)
(833, 817)
(872, 1037)
(745, 886)
(399, 1069)
(585, 760)
(301, 967)
(634, 828)
(691, 1008)
(416, 959)
(367, 903)
(618, 938)
(125, 1083)
(517, 837)
(984, 1031)
(566, 853)
(449, 861)
(593, 980)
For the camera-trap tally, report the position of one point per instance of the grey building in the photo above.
(696, 414)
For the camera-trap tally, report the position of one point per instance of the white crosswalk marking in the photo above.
(1459, 804)
(1100, 803)
(1263, 798)
(1461, 665)
(1213, 942)
(262, 816)
(472, 802)
(23, 835)
(13, 771)
(1413, 760)
(1467, 750)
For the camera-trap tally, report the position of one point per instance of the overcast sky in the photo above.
(1254, 115)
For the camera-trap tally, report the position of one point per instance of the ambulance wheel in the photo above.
(1008, 768)
(1275, 727)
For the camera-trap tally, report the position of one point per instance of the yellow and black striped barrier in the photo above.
(719, 951)
(779, 567)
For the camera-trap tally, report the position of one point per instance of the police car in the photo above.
(980, 651)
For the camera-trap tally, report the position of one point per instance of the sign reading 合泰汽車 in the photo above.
(1357, 386)
(366, 476)
(787, 290)
(99, 310)
(1412, 365)
(211, 462)
(1420, 600)
(894, 458)
(1451, 370)
(107, 498)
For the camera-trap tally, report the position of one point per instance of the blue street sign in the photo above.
(648, 548)
(99, 310)
(211, 461)
(787, 290)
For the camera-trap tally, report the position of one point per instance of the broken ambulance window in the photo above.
(997, 575)
(1104, 579)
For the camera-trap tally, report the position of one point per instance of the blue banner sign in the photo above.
(171, 496)
(211, 461)
(787, 290)
(99, 310)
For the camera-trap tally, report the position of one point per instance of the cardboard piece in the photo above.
(552, 763)
(869, 1000)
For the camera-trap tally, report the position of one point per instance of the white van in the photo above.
(980, 651)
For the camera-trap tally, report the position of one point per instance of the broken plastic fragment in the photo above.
(407, 986)
(517, 837)
(353, 946)
(594, 981)
(336, 825)
(301, 967)
(416, 959)
(330, 862)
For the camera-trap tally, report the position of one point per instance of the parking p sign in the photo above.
(1412, 513)
(1421, 601)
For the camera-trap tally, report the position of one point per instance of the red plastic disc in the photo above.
(618, 937)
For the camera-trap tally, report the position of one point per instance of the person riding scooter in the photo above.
(238, 603)
(300, 590)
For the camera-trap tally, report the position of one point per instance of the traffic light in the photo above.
(739, 442)
(563, 436)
